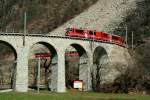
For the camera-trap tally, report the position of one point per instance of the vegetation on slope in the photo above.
(42, 15)
(136, 78)
(138, 21)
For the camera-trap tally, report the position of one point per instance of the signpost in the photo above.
(39, 56)
(78, 84)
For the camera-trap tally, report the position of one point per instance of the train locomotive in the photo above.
(95, 35)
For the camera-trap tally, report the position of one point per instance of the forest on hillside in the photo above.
(42, 15)
(45, 15)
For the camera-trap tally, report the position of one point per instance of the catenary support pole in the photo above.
(25, 27)
(132, 40)
(126, 35)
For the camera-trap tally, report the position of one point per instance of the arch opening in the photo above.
(99, 69)
(48, 66)
(8, 57)
(76, 65)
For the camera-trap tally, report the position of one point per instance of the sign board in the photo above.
(78, 84)
(71, 54)
(42, 55)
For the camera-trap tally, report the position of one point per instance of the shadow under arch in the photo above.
(99, 69)
(48, 70)
(76, 65)
(8, 57)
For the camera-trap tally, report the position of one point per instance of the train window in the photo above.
(105, 35)
(92, 32)
(115, 38)
(79, 31)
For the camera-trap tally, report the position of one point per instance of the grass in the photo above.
(72, 95)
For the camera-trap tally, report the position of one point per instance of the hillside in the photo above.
(112, 16)
(102, 15)
(42, 15)
(138, 21)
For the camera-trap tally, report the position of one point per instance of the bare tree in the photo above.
(96, 74)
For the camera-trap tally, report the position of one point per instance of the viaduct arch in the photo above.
(48, 68)
(8, 59)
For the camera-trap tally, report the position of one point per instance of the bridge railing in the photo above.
(29, 34)
(54, 36)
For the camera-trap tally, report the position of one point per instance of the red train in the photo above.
(93, 34)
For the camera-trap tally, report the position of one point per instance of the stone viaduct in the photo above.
(116, 55)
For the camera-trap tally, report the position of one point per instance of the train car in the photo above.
(91, 34)
(95, 35)
(77, 33)
(117, 40)
(81, 33)
(103, 36)
(70, 32)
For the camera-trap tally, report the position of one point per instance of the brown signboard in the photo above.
(42, 55)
